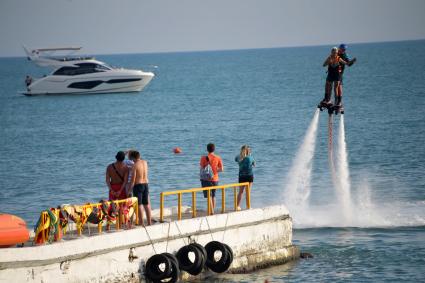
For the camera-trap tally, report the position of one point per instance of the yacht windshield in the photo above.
(81, 69)
(104, 66)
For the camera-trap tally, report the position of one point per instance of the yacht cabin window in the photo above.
(81, 69)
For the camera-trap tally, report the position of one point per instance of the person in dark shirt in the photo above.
(344, 56)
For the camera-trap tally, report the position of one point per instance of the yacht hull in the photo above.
(115, 82)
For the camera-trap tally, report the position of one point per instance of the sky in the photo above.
(150, 26)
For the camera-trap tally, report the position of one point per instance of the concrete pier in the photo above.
(258, 237)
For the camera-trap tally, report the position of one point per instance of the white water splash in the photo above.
(364, 213)
(343, 174)
(331, 162)
(348, 209)
(297, 191)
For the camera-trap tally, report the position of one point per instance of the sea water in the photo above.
(55, 149)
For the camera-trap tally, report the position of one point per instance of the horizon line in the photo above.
(238, 49)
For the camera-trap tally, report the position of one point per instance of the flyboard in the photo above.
(332, 109)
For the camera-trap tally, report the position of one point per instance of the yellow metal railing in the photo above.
(193, 191)
(83, 215)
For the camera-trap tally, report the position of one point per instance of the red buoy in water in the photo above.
(177, 150)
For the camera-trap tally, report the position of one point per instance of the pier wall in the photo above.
(258, 238)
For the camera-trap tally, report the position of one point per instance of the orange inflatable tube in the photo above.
(13, 230)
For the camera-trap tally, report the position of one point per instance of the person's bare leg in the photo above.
(335, 89)
(340, 92)
(337, 94)
(241, 189)
(141, 215)
(213, 203)
(340, 89)
(328, 90)
(148, 213)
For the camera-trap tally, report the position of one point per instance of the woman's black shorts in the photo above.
(246, 178)
(333, 77)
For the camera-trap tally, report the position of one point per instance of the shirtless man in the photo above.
(139, 183)
(116, 177)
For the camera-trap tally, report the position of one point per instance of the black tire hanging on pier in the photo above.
(213, 264)
(196, 270)
(220, 268)
(175, 271)
(172, 258)
(184, 261)
(202, 248)
(230, 252)
(153, 270)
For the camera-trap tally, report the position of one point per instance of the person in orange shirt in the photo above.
(217, 166)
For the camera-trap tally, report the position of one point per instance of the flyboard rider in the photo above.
(344, 56)
(333, 62)
(336, 64)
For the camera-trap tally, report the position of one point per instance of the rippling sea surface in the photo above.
(55, 149)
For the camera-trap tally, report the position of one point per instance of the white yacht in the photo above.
(78, 75)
